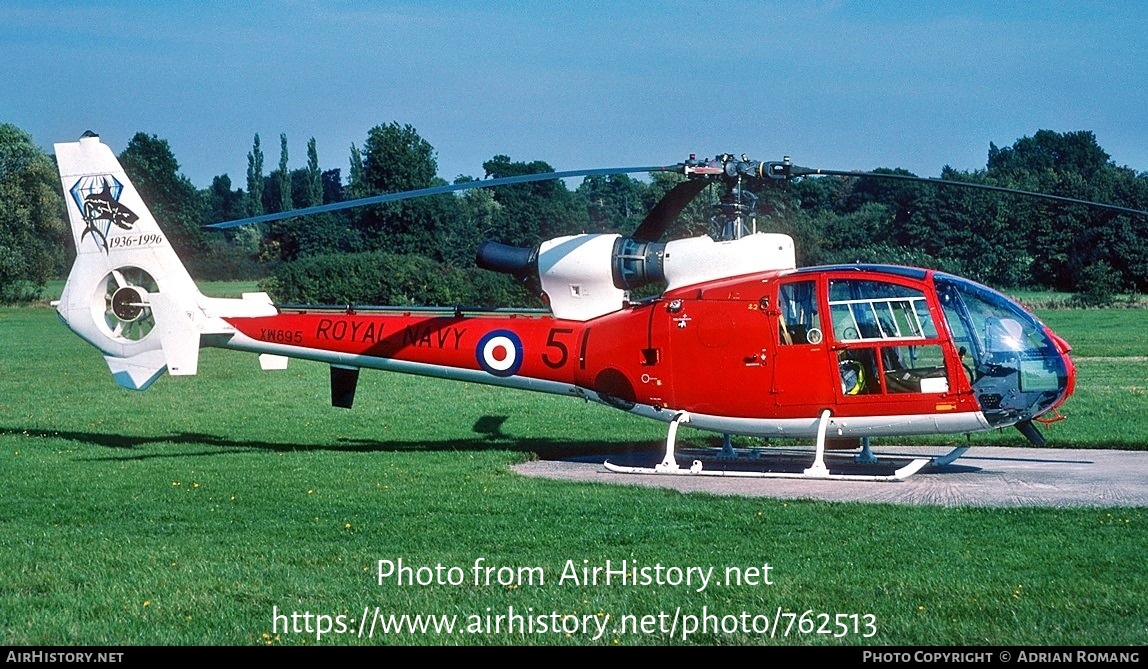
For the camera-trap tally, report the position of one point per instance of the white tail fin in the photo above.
(128, 294)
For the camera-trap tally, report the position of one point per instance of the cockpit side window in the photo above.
(875, 311)
(886, 328)
(798, 322)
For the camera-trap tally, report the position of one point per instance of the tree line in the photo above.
(422, 251)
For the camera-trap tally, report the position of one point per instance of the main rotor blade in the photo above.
(667, 209)
(436, 190)
(795, 171)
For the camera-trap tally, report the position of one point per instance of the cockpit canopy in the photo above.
(1016, 368)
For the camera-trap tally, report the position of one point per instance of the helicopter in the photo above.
(741, 341)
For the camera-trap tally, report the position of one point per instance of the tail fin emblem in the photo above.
(97, 197)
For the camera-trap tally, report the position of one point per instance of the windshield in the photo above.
(1012, 362)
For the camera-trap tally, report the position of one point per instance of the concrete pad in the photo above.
(984, 476)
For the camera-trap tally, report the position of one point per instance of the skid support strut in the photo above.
(669, 465)
(819, 470)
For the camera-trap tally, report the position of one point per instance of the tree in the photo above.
(332, 185)
(1050, 151)
(532, 212)
(694, 219)
(304, 236)
(34, 238)
(613, 203)
(314, 176)
(255, 179)
(477, 220)
(223, 203)
(394, 159)
(1005, 240)
(170, 196)
(1097, 285)
(284, 176)
(1064, 240)
(356, 187)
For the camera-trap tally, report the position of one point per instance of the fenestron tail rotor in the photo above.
(123, 302)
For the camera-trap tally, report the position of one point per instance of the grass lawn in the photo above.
(197, 512)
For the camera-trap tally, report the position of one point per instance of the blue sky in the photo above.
(839, 85)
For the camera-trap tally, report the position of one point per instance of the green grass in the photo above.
(184, 514)
(1047, 299)
(1101, 332)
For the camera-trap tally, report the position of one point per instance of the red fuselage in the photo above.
(755, 353)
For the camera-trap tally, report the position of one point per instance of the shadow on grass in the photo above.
(636, 454)
(488, 427)
(489, 436)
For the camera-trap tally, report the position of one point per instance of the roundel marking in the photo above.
(499, 352)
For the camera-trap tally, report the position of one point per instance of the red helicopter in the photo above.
(741, 341)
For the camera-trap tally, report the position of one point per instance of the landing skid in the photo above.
(817, 471)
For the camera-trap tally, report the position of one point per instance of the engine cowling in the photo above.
(573, 272)
(586, 276)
